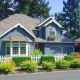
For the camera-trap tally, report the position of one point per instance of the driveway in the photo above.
(56, 75)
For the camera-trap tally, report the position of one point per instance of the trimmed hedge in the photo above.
(29, 66)
(47, 58)
(18, 60)
(62, 64)
(69, 58)
(48, 66)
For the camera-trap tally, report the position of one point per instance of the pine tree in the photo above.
(69, 18)
(33, 8)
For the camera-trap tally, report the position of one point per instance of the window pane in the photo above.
(15, 50)
(8, 50)
(23, 50)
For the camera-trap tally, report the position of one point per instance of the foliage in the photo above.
(18, 60)
(77, 45)
(49, 66)
(62, 64)
(69, 18)
(28, 66)
(36, 9)
(47, 58)
(69, 58)
(7, 67)
(75, 63)
(36, 52)
(51, 37)
(75, 54)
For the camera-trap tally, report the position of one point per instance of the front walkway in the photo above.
(56, 75)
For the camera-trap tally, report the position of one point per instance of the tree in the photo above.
(69, 18)
(33, 8)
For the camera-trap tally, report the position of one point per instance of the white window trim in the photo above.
(19, 54)
(58, 47)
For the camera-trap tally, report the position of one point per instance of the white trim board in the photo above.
(15, 27)
(52, 20)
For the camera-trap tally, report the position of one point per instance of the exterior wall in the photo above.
(56, 29)
(15, 31)
(53, 48)
(44, 31)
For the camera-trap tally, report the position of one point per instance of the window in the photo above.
(15, 47)
(55, 50)
(15, 50)
(23, 48)
(68, 50)
(51, 31)
(7, 48)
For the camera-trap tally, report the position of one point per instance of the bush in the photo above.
(51, 37)
(75, 63)
(49, 66)
(69, 58)
(28, 66)
(18, 60)
(36, 52)
(75, 54)
(7, 67)
(62, 64)
(47, 58)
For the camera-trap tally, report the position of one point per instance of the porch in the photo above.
(17, 48)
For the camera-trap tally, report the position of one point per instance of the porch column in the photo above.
(26, 49)
(11, 49)
(19, 48)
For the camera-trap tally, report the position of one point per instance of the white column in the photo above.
(19, 49)
(11, 50)
(26, 49)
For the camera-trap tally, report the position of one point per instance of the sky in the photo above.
(56, 6)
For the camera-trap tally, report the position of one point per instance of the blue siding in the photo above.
(53, 48)
(44, 31)
(13, 32)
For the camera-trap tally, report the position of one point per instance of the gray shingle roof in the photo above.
(26, 21)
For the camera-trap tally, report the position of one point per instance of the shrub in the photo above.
(47, 58)
(69, 58)
(36, 52)
(18, 60)
(7, 67)
(62, 64)
(28, 66)
(51, 37)
(75, 63)
(75, 54)
(49, 66)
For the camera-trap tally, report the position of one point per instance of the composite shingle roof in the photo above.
(26, 21)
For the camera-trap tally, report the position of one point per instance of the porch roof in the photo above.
(16, 38)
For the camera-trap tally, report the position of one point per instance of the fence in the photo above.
(3, 58)
(35, 58)
(57, 57)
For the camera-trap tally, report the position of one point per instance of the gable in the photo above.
(17, 33)
(49, 21)
(16, 27)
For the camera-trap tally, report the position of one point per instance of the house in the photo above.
(20, 34)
